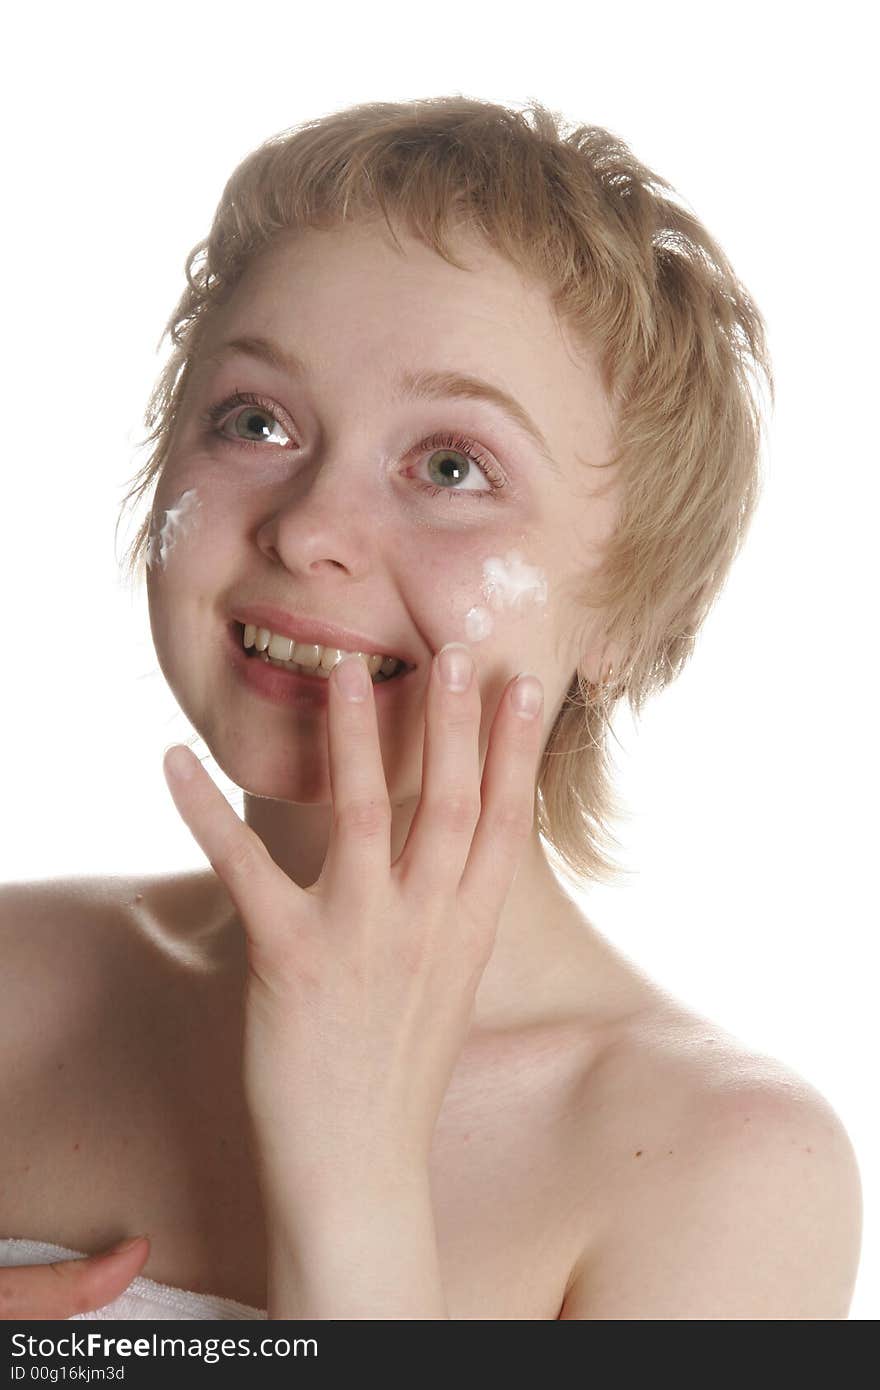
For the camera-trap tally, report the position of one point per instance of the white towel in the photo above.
(143, 1298)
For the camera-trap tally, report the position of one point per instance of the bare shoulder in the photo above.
(78, 1012)
(83, 957)
(56, 940)
(84, 912)
(726, 1184)
(49, 927)
(34, 909)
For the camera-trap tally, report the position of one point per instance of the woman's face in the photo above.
(346, 497)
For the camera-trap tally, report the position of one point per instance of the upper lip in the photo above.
(324, 634)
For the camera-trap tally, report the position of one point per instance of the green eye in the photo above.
(449, 444)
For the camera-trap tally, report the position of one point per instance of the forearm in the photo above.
(358, 1251)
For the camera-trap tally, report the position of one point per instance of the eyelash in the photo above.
(457, 442)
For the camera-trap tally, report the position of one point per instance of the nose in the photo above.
(319, 519)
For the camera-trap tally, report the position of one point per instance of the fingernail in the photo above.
(123, 1245)
(456, 666)
(526, 695)
(352, 677)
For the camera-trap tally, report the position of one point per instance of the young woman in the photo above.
(456, 445)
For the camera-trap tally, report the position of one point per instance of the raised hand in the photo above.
(360, 988)
(44, 1293)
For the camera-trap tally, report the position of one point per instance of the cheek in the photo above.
(171, 527)
(485, 591)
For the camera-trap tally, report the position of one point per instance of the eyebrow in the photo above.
(418, 385)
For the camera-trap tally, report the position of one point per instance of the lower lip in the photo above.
(289, 687)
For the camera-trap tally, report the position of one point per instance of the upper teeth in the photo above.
(321, 660)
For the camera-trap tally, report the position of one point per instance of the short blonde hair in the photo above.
(634, 276)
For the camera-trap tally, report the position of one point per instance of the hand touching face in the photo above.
(360, 987)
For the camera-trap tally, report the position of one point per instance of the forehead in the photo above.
(347, 305)
(358, 267)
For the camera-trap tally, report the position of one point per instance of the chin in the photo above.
(258, 771)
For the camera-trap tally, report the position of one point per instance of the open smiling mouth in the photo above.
(316, 662)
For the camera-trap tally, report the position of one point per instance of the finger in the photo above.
(59, 1290)
(359, 848)
(508, 814)
(236, 853)
(440, 835)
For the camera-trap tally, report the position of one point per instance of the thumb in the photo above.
(235, 852)
(56, 1291)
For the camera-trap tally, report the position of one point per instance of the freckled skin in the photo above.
(329, 516)
(334, 525)
(508, 582)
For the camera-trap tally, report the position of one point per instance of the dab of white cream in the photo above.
(508, 582)
(176, 524)
(478, 624)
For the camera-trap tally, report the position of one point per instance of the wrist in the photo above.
(366, 1179)
(365, 1249)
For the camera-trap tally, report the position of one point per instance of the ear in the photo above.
(601, 665)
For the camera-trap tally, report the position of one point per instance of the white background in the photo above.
(752, 782)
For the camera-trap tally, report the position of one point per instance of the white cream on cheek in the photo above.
(178, 522)
(508, 583)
